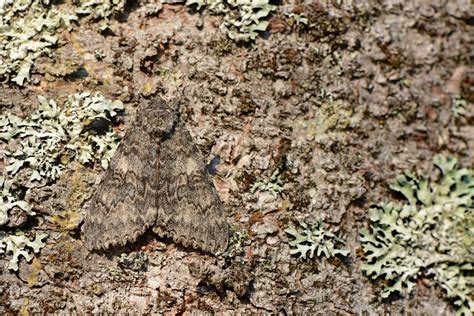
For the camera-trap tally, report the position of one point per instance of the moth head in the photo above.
(161, 118)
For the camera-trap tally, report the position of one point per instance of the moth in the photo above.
(156, 180)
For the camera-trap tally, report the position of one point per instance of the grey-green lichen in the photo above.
(243, 19)
(99, 8)
(236, 242)
(431, 235)
(9, 201)
(19, 245)
(460, 106)
(27, 31)
(314, 240)
(333, 122)
(135, 261)
(40, 146)
(274, 185)
(297, 18)
(52, 133)
(30, 29)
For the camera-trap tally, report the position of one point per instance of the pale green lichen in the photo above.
(274, 185)
(19, 245)
(30, 29)
(243, 19)
(297, 18)
(42, 144)
(431, 235)
(54, 132)
(135, 261)
(27, 31)
(314, 240)
(8, 201)
(236, 242)
(460, 106)
(99, 8)
(333, 122)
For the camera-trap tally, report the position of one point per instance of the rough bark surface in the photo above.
(331, 111)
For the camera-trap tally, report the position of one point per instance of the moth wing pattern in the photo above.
(189, 209)
(156, 178)
(123, 206)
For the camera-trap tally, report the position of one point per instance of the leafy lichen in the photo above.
(51, 132)
(297, 18)
(460, 106)
(42, 144)
(27, 31)
(274, 185)
(236, 242)
(30, 29)
(313, 240)
(135, 261)
(99, 8)
(8, 201)
(21, 246)
(430, 235)
(243, 19)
